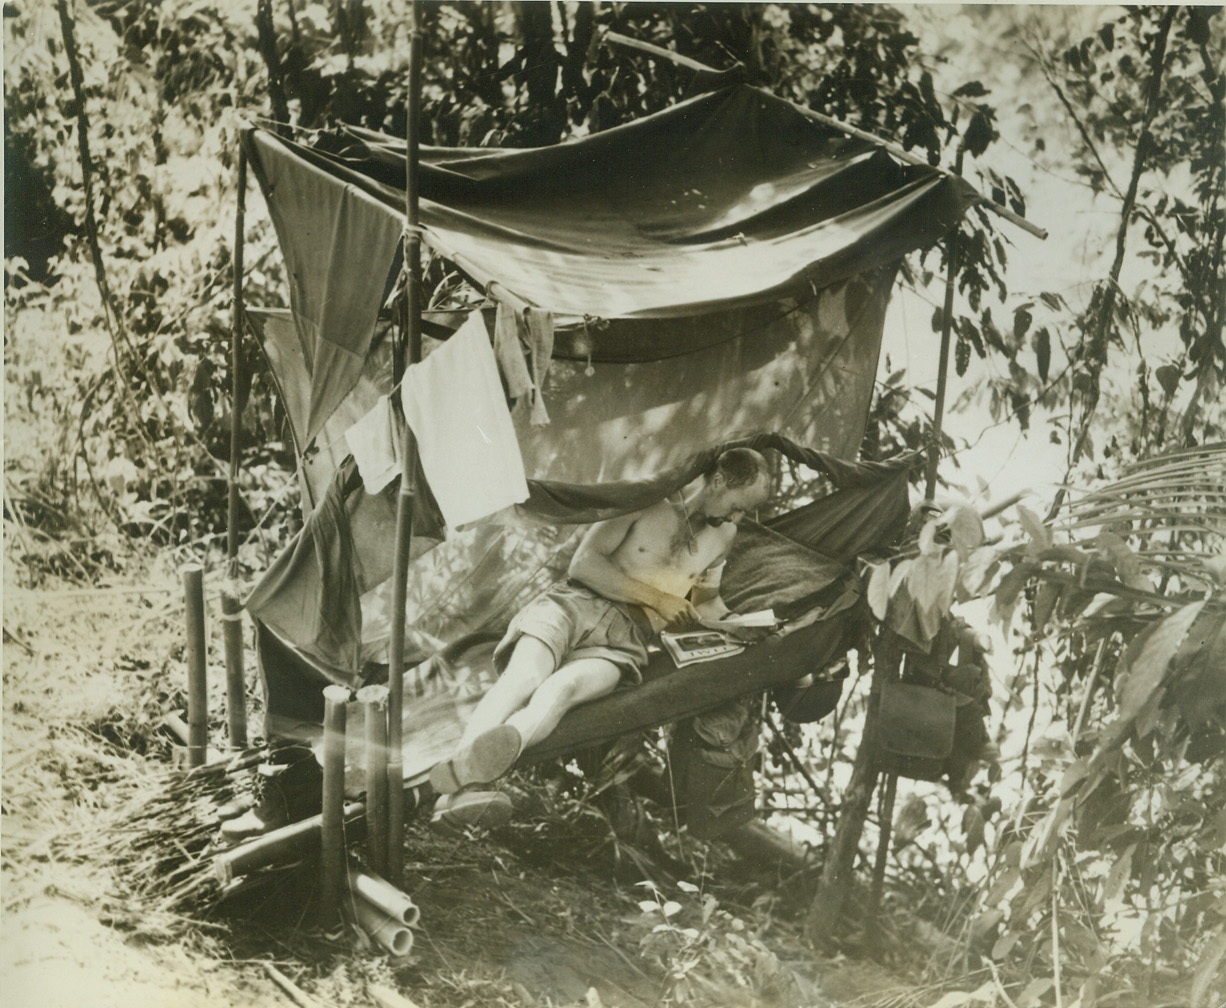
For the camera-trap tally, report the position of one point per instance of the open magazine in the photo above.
(716, 639)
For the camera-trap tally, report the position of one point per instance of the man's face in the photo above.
(731, 504)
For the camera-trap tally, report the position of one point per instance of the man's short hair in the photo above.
(740, 466)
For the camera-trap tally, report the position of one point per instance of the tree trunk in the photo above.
(267, 36)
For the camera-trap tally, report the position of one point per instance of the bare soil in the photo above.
(546, 912)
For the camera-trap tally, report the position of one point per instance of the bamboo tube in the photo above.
(382, 894)
(281, 846)
(332, 814)
(236, 684)
(386, 930)
(197, 666)
(374, 706)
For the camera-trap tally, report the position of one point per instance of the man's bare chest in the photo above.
(665, 540)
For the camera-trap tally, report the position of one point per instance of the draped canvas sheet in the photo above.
(729, 200)
(804, 368)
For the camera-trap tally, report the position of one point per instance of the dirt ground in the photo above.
(530, 916)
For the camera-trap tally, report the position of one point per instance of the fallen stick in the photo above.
(291, 989)
(385, 997)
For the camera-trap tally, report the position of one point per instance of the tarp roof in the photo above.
(730, 199)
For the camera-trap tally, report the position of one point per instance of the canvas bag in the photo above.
(916, 729)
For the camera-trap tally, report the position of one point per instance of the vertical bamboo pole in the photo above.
(938, 409)
(885, 824)
(374, 708)
(405, 500)
(332, 812)
(947, 321)
(197, 666)
(231, 608)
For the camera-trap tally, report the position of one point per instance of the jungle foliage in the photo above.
(120, 143)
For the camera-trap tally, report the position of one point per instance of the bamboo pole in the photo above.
(197, 666)
(282, 845)
(903, 155)
(231, 607)
(332, 814)
(405, 500)
(885, 824)
(938, 409)
(374, 708)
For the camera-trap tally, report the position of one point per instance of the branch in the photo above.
(1101, 318)
(114, 321)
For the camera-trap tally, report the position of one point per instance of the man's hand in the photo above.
(676, 611)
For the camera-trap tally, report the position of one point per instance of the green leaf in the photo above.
(1034, 991)
(1046, 597)
(1144, 666)
(1168, 377)
(979, 133)
(962, 355)
(1021, 324)
(1011, 584)
(1003, 885)
(1202, 993)
(1040, 534)
(1042, 352)
(971, 89)
(1119, 874)
(879, 590)
(931, 583)
(972, 828)
(984, 995)
(1127, 567)
(965, 528)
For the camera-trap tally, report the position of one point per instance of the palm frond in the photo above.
(1180, 494)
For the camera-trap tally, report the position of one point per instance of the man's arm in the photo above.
(592, 564)
(705, 593)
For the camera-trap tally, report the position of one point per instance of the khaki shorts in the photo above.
(574, 622)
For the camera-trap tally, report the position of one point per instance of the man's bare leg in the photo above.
(574, 683)
(531, 663)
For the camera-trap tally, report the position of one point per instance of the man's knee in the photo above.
(531, 661)
(583, 680)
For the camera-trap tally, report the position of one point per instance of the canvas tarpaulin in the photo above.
(718, 268)
(730, 200)
(804, 367)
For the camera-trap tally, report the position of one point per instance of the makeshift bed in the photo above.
(654, 293)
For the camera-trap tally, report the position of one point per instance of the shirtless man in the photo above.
(630, 577)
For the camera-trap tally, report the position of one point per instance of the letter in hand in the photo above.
(748, 628)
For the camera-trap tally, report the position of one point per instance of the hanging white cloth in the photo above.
(372, 442)
(453, 401)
